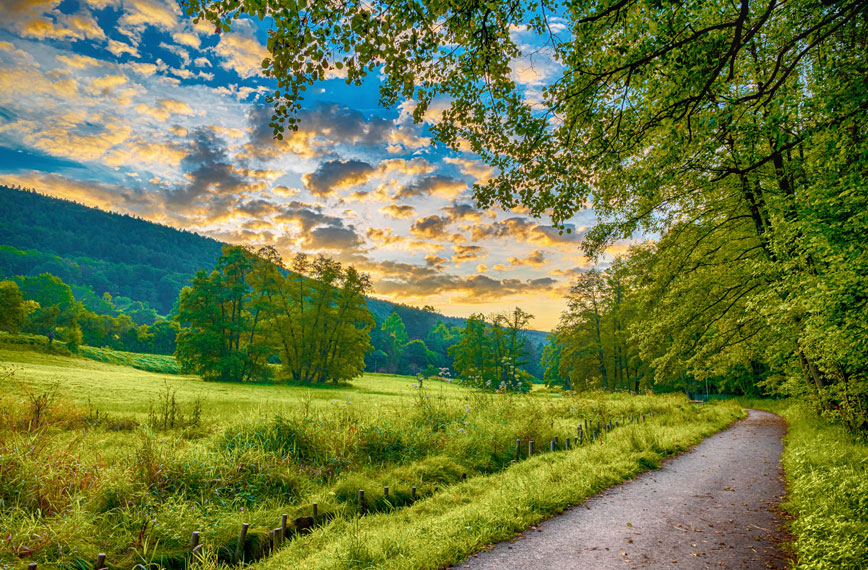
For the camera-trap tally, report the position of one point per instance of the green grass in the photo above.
(103, 471)
(162, 363)
(826, 469)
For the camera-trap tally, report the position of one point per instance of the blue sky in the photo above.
(128, 106)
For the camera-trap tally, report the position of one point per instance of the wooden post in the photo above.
(517, 448)
(413, 493)
(100, 561)
(567, 442)
(315, 515)
(283, 519)
(530, 448)
(361, 501)
(552, 445)
(386, 492)
(556, 441)
(598, 425)
(242, 536)
(31, 566)
(278, 538)
(194, 541)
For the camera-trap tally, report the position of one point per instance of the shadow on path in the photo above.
(712, 507)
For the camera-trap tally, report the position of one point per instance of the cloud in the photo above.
(399, 210)
(77, 61)
(164, 108)
(214, 183)
(187, 39)
(462, 253)
(119, 48)
(431, 227)
(139, 14)
(384, 238)
(242, 52)
(321, 129)
(435, 261)
(408, 280)
(462, 212)
(337, 174)
(435, 184)
(481, 268)
(478, 170)
(524, 230)
(536, 258)
(60, 140)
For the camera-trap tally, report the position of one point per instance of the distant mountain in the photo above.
(130, 257)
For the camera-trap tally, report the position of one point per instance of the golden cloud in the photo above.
(165, 108)
(139, 14)
(462, 253)
(399, 210)
(242, 53)
(59, 141)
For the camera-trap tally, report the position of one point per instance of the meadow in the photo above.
(105, 458)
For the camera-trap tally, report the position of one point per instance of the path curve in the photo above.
(712, 507)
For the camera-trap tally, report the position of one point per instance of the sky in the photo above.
(128, 106)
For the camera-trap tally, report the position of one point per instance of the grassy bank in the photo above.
(96, 457)
(827, 474)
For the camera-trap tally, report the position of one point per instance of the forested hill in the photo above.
(130, 257)
(109, 252)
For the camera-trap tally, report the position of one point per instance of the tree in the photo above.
(551, 363)
(317, 316)
(492, 350)
(415, 357)
(57, 310)
(223, 340)
(11, 306)
(395, 338)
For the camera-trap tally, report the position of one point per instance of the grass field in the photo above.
(98, 457)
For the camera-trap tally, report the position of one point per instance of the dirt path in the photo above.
(712, 507)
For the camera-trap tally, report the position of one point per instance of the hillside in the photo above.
(130, 257)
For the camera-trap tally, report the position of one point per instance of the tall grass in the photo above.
(75, 484)
(827, 474)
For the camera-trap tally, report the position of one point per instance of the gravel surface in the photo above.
(712, 507)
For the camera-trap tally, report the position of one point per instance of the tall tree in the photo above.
(223, 339)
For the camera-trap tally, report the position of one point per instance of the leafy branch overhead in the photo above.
(637, 76)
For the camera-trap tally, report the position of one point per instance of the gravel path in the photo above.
(712, 507)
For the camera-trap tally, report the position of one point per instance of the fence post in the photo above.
(31, 566)
(567, 442)
(194, 541)
(242, 536)
(100, 561)
(552, 445)
(386, 491)
(413, 493)
(315, 515)
(361, 501)
(530, 448)
(517, 448)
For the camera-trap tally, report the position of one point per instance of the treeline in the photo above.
(603, 340)
(45, 305)
(311, 317)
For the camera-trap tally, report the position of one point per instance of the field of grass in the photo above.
(162, 363)
(827, 481)
(96, 457)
